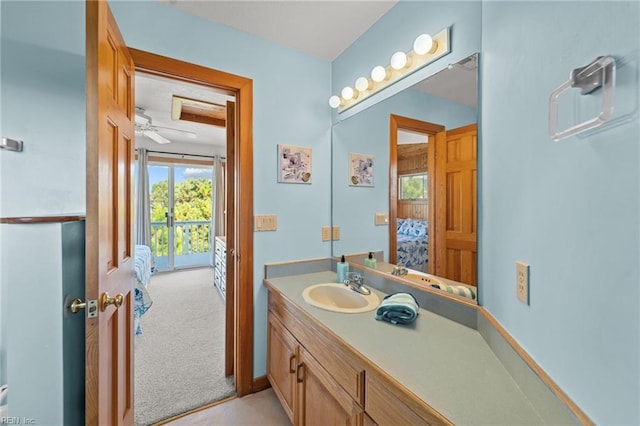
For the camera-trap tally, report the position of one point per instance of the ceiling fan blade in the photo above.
(184, 133)
(156, 137)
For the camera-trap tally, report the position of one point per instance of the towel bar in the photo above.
(599, 73)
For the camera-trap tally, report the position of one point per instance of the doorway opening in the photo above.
(185, 174)
(181, 141)
(412, 192)
(441, 213)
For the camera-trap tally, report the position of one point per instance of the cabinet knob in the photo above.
(292, 369)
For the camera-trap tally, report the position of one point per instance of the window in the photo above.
(413, 187)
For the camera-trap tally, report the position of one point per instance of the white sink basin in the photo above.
(339, 298)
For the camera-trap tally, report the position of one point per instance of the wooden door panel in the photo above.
(125, 185)
(456, 216)
(109, 266)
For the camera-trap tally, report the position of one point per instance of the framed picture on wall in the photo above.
(360, 169)
(294, 164)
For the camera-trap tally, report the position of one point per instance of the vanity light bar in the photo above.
(426, 49)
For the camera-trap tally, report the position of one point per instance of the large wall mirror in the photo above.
(412, 158)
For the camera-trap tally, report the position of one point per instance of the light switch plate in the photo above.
(336, 233)
(326, 233)
(522, 282)
(381, 219)
(265, 222)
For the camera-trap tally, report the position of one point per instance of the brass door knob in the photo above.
(106, 300)
(77, 305)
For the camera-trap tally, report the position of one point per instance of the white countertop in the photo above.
(446, 364)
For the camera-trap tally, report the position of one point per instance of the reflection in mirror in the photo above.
(422, 142)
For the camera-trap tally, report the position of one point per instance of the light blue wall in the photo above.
(397, 30)
(570, 209)
(42, 102)
(368, 132)
(290, 107)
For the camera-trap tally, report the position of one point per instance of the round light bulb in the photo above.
(348, 93)
(362, 84)
(398, 60)
(424, 44)
(378, 74)
(334, 101)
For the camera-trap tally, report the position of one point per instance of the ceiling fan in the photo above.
(144, 126)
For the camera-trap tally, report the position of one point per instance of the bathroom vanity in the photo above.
(336, 368)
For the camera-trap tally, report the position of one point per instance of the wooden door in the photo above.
(456, 211)
(282, 359)
(230, 221)
(109, 244)
(320, 400)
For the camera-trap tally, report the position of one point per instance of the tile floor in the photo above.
(260, 409)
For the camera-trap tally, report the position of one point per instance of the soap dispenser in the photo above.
(370, 262)
(342, 269)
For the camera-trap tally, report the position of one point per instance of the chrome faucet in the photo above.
(399, 270)
(355, 282)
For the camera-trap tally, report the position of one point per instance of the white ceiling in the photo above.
(154, 94)
(321, 28)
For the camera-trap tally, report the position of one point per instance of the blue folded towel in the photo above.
(398, 308)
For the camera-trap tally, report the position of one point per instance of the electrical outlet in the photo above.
(326, 233)
(522, 282)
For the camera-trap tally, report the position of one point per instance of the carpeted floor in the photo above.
(179, 358)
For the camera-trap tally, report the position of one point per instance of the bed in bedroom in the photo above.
(412, 243)
(143, 267)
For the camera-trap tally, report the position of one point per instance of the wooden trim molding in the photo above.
(546, 379)
(242, 89)
(261, 383)
(42, 219)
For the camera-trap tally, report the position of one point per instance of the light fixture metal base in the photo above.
(416, 62)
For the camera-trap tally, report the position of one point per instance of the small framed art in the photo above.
(361, 168)
(294, 164)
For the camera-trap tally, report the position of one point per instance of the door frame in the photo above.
(397, 122)
(242, 89)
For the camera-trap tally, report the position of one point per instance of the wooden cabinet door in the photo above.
(282, 359)
(321, 401)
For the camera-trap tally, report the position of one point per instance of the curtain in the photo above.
(218, 193)
(143, 220)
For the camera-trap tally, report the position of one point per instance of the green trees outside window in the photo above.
(192, 202)
(413, 187)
